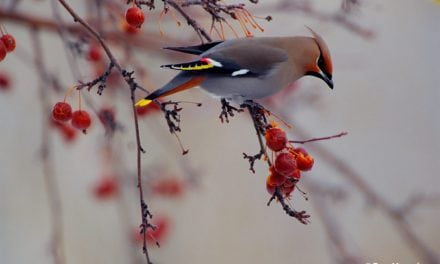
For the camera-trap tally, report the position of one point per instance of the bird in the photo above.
(248, 68)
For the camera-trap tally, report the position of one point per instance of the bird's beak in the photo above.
(327, 79)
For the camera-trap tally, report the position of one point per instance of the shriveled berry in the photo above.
(276, 138)
(304, 162)
(285, 163)
(135, 17)
(81, 120)
(3, 51)
(9, 42)
(275, 179)
(62, 112)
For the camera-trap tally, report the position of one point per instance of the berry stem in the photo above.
(289, 126)
(68, 92)
(79, 100)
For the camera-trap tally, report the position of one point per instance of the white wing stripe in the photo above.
(214, 62)
(240, 72)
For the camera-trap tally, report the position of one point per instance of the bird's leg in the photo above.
(227, 111)
(257, 113)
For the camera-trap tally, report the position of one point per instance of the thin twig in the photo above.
(53, 192)
(331, 225)
(318, 139)
(351, 175)
(144, 208)
(78, 19)
(193, 23)
(133, 86)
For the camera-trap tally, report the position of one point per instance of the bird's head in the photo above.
(319, 63)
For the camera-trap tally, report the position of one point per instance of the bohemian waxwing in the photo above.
(250, 68)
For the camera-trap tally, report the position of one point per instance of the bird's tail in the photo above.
(180, 83)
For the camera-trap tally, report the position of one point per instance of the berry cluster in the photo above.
(288, 165)
(80, 119)
(7, 44)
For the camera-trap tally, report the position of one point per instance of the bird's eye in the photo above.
(321, 62)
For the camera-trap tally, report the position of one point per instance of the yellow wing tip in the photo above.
(143, 102)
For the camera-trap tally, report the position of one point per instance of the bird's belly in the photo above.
(242, 88)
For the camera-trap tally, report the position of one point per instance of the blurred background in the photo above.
(373, 195)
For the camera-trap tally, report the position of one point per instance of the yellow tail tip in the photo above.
(143, 102)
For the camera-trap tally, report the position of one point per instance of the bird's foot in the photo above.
(258, 115)
(228, 111)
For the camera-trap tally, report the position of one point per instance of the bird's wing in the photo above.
(196, 50)
(235, 61)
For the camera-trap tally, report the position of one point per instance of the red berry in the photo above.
(300, 150)
(67, 131)
(106, 187)
(81, 120)
(289, 182)
(9, 42)
(148, 109)
(129, 29)
(135, 17)
(275, 179)
(270, 188)
(296, 174)
(168, 187)
(162, 225)
(5, 82)
(62, 112)
(94, 53)
(3, 51)
(276, 138)
(285, 164)
(304, 162)
(287, 190)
